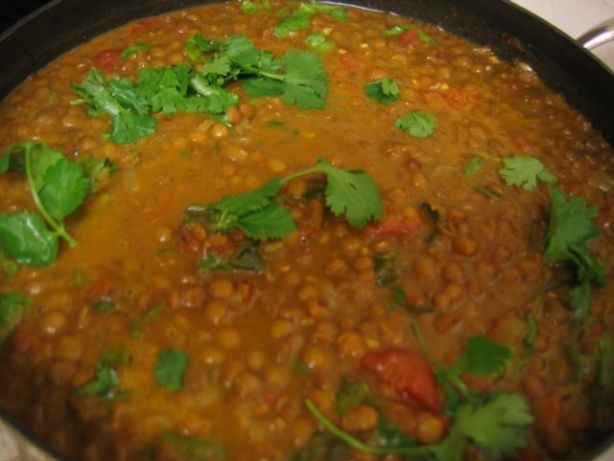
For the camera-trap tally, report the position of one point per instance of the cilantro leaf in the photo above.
(301, 17)
(165, 88)
(525, 172)
(106, 97)
(320, 42)
(483, 356)
(352, 194)
(58, 187)
(271, 222)
(498, 427)
(134, 49)
(103, 384)
(170, 368)
(473, 165)
(215, 100)
(98, 170)
(247, 202)
(197, 45)
(249, 7)
(260, 86)
(395, 31)
(352, 394)
(65, 188)
(425, 38)
(570, 227)
(12, 308)
(418, 123)
(124, 91)
(306, 83)
(384, 90)
(193, 448)
(24, 236)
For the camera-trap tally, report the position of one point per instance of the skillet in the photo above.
(513, 33)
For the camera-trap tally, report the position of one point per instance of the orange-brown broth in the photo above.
(317, 302)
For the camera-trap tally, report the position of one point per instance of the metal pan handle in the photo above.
(598, 35)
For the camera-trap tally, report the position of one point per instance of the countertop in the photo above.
(573, 17)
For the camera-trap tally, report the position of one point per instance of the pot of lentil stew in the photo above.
(281, 231)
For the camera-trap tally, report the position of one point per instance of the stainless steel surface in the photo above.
(599, 35)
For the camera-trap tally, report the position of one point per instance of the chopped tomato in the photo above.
(411, 36)
(350, 62)
(392, 227)
(407, 373)
(108, 59)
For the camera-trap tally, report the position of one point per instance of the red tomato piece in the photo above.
(392, 227)
(411, 36)
(350, 62)
(407, 373)
(108, 59)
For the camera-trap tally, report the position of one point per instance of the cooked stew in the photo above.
(300, 232)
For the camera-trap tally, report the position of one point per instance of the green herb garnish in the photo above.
(473, 165)
(197, 45)
(525, 172)
(58, 187)
(320, 42)
(497, 426)
(170, 368)
(12, 308)
(384, 90)
(570, 229)
(395, 31)
(132, 50)
(349, 193)
(103, 385)
(137, 325)
(301, 17)
(418, 123)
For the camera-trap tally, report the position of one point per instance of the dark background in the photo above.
(13, 10)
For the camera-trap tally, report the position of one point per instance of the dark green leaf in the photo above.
(103, 384)
(170, 368)
(261, 86)
(271, 222)
(65, 188)
(473, 165)
(134, 49)
(484, 357)
(247, 258)
(98, 170)
(213, 263)
(531, 335)
(248, 7)
(395, 31)
(525, 172)
(137, 325)
(351, 394)
(384, 90)
(306, 83)
(250, 201)
(196, 448)
(418, 123)
(12, 308)
(128, 127)
(352, 194)
(383, 265)
(320, 42)
(389, 435)
(425, 38)
(197, 45)
(24, 236)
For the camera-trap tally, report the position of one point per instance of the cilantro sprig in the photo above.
(300, 18)
(570, 230)
(418, 123)
(58, 187)
(169, 369)
(349, 193)
(525, 172)
(384, 90)
(497, 426)
(12, 308)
